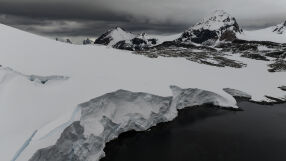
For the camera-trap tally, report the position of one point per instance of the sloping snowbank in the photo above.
(26, 106)
(266, 34)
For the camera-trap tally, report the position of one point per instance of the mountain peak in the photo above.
(122, 39)
(117, 28)
(112, 36)
(217, 26)
(216, 21)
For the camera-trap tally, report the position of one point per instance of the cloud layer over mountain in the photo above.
(86, 17)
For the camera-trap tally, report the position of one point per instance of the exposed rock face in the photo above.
(120, 39)
(104, 118)
(219, 26)
(280, 29)
(69, 41)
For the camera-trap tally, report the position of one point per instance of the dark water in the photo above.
(208, 134)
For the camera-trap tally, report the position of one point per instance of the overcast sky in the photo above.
(92, 17)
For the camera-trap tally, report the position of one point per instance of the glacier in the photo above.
(106, 117)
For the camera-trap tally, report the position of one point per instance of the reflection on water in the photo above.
(208, 134)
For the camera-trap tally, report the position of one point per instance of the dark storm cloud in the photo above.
(92, 17)
(57, 10)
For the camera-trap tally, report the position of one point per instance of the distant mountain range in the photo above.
(219, 26)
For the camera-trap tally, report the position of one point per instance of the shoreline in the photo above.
(203, 113)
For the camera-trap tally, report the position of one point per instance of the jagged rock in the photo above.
(87, 41)
(228, 36)
(279, 65)
(178, 44)
(218, 26)
(277, 54)
(238, 45)
(254, 56)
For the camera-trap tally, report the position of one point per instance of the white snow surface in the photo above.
(26, 106)
(163, 38)
(266, 34)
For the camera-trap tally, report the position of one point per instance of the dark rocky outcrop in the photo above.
(87, 41)
(254, 56)
(279, 65)
(69, 41)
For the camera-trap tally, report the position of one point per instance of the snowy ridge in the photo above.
(280, 29)
(104, 118)
(273, 33)
(120, 39)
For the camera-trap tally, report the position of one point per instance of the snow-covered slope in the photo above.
(274, 33)
(120, 39)
(91, 71)
(218, 25)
